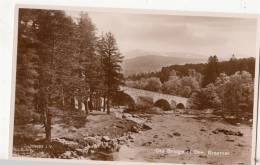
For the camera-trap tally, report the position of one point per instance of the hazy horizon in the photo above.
(163, 34)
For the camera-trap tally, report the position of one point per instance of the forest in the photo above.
(60, 59)
(221, 85)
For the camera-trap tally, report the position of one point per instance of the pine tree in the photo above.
(89, 60)
(43, 42)
(211, 71)
(111, 59)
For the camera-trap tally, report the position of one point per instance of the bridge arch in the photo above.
(163, 104)
(180, 106)
(124, 99)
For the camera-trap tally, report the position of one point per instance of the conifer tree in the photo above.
(111, 60)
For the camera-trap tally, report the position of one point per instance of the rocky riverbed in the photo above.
(97, 137)
(186, 139)
(157, 137)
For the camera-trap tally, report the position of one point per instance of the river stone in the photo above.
(227, 132)
(90, 140)
(80, 152)
(72, 129)
(135, 119)
(65, 143)
(176, 134)
(121, 141)
(131, 136)
(105, 139)
(146, 126)
(155, 136)
(67, 154)
(135, 129)
(147, 143)
(126, 115)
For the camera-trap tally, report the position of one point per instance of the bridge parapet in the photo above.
(136, 93)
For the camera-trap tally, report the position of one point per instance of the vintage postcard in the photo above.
(134, 85)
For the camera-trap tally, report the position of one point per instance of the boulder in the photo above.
(131, 136)
(176, 134)
(136, 116)
(227, 132)
(80, 152)
(86, 150)
(126, 115)
(155, 136)
(67, 155)
(230, 140)
(120, 126)
(203, 156)
(147, 126)
(240, 145)
(135, 129)
(134, 119)
(66, 144)
(72, 129)
(121, 142)
(147, 143)
(90, 140)
(105, 139)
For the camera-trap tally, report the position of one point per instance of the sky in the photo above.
(171, 33)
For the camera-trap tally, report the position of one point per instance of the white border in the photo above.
(128, 11)
(6, 36)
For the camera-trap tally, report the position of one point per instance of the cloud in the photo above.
(166, 33)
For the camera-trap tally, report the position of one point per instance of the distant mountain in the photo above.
(138, 52)
(148, 63)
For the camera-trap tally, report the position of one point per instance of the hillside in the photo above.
(241, 64)
(150, 63)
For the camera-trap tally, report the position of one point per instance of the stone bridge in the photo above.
(171, 100)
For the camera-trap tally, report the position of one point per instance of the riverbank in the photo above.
(156, 137)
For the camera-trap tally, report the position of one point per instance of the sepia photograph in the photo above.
(133, 86)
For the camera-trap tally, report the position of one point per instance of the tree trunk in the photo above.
(86, 105)
(72, 103)
(104, 104)
(62, 98)
(48, 126)
(99, 103)
(79, 103)
(90, 102)
(108, 105)
(46, 116)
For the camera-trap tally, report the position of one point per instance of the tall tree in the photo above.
(111, 60)
(43, 42)
(211, 71)
(233, 65)
(238, 94)
(89, 61)
(48, 21)
(205, 98)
